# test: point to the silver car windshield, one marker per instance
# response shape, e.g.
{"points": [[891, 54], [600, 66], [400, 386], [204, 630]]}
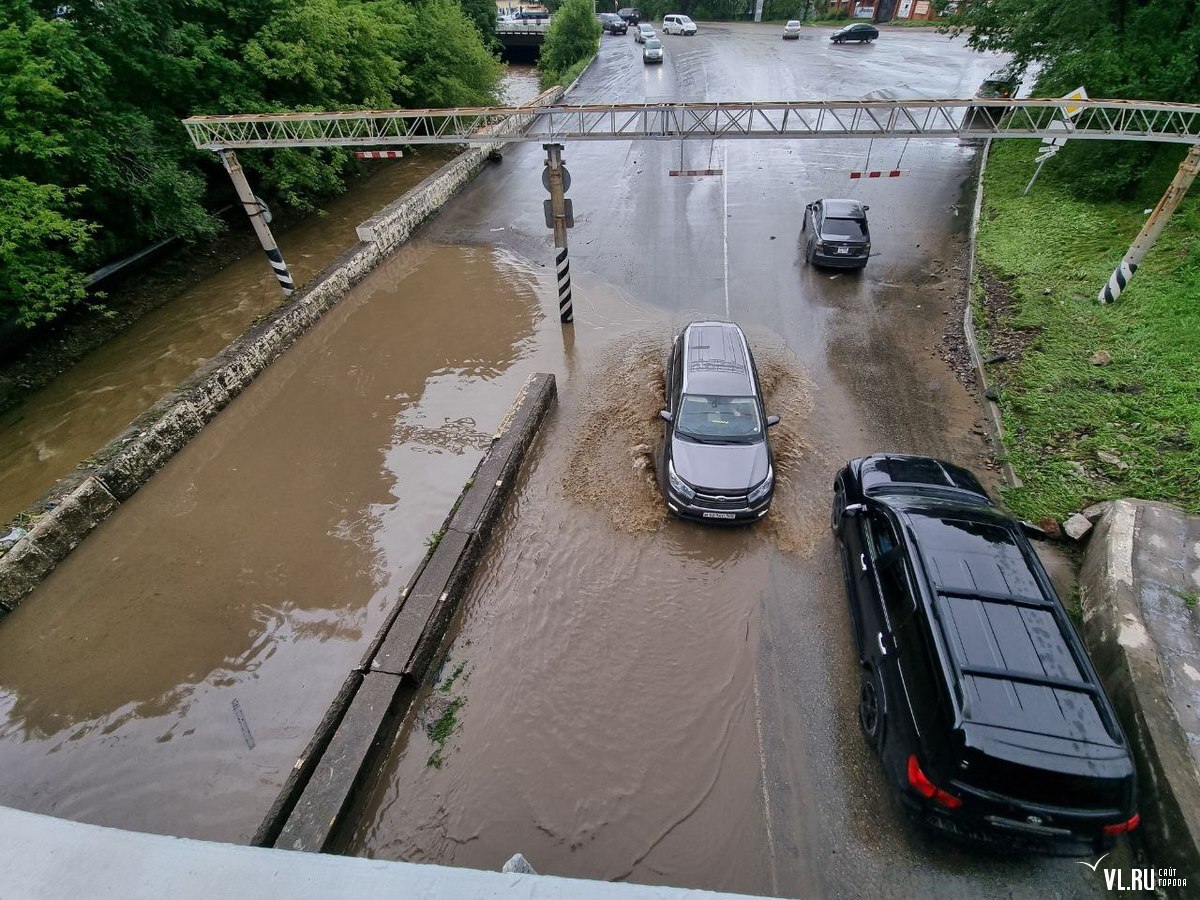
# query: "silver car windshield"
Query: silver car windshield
{"points": [[721, 419], [653, 44]]}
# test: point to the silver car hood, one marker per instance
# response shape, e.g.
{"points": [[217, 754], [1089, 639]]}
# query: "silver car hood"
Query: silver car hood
{"points": [[720, 467]]}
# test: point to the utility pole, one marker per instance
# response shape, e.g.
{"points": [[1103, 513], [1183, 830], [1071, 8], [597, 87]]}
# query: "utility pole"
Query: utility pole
{"points": [[257, 211], [559, 216], [1153, 227]]}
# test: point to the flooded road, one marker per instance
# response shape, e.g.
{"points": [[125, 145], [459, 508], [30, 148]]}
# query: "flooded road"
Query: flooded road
{"points": [[623, 696]]}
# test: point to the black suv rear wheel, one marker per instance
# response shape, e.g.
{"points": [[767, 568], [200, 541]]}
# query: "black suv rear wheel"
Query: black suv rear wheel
{"points": [[870, 709]]}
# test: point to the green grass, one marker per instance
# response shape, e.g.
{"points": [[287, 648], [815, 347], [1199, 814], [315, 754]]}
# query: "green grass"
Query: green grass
{"points": [[1060, 411], [439, 732], [431, 542], [1190, 598]]}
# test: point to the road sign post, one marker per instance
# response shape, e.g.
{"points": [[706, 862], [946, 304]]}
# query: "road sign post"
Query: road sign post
{"points": [[1051, 145], [557, 179], [1153, 227], [259, 215]]}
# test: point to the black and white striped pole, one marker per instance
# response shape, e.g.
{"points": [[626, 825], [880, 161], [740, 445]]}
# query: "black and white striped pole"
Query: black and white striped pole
{"points": [[1153, 227], [557, 179], [259, 217]]}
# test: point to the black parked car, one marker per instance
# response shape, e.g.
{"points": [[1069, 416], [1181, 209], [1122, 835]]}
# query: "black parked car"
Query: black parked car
{"points": [[859, 31], [613, 24], [976, 690], [630, 14], [837, 233], [716, 464]]}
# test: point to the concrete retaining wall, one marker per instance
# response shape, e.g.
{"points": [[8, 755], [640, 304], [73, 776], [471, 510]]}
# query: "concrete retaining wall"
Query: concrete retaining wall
{"points": [[1143, 641], [337, 767], [82, 500]]}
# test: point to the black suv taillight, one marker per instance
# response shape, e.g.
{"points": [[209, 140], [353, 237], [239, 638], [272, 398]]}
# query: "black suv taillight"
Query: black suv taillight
{"points": [[926, 788], [1122, 827]]}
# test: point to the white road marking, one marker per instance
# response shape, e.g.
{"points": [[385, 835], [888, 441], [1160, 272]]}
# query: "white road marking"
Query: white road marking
{"points": [[762, 763], [725, 222]]}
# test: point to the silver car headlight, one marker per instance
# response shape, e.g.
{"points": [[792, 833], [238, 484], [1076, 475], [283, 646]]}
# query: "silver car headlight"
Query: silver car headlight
{"points": [[681, 487], [761, 491]]}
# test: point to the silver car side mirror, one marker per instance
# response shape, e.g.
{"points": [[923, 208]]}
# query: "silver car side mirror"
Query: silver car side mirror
{"points": [[772, 420], [665, 416]]}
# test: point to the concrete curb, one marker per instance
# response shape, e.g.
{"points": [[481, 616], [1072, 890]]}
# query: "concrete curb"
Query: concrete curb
{"points": [[69, 511], [1127, 658], [993, 409], [336, 768]]}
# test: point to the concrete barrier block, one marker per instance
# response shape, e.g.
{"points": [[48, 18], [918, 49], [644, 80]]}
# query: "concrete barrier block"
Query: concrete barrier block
{"points": [[337, 777], [21, 570], [441, 574], [61, 529], [156, 438]]}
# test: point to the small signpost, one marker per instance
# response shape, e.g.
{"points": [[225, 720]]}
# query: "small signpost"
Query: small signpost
{"points": [[1051, 145], [559, 216]]}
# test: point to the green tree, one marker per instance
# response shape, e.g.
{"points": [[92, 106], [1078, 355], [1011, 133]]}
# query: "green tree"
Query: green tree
{"points": [[482, 13], [1117, 49], [39, 243], [573, 38], [94, 162]]}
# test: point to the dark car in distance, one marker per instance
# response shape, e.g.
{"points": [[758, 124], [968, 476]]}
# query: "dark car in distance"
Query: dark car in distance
{"points": [[716, 464], [859, 31], [836, 233], [976, 692], [630, 14], [613, 24]]}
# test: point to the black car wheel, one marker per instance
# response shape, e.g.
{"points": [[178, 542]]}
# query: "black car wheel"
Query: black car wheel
{"points": [[835, 511], [808, 253], [870, 709]]}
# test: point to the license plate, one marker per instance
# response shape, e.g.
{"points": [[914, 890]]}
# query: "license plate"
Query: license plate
{"points": [[843, 249], [713, 515]]}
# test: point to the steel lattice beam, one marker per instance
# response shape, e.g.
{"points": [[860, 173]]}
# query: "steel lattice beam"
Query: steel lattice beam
{"points": [[1128, 120]]}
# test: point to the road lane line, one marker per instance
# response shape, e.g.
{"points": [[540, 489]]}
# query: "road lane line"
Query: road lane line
{"points": [[725, 222], [762, 765]]}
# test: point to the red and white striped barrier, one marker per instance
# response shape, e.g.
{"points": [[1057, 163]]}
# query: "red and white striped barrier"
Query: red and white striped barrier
{"points": [[884, 173], [380, 154]]}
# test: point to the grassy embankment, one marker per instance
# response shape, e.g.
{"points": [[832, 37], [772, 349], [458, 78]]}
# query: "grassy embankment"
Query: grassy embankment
{"points": [[1062, 414]]}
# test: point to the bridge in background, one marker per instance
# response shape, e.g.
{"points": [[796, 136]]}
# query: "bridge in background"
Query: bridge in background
{"points": [[1128, 120], [520, 35]]}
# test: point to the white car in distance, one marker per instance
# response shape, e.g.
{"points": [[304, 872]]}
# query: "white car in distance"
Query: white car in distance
{"points": [[677, 23]]}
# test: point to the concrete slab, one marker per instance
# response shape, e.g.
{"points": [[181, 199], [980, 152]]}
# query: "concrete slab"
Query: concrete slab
{"points": [[1139, 573], [442, 572], [48, 859], [331, 789]]}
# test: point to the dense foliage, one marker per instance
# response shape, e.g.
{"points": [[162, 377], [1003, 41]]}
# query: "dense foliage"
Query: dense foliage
{"points": [[572, 39], [1119, 49], [94, 162], [1077, 432]]}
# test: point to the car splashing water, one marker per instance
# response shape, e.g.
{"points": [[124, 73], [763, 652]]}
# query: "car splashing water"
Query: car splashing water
{"points": [[613, 463]]}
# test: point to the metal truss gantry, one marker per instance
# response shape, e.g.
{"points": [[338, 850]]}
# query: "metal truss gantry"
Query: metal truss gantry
{"points": [[1127, 120]]}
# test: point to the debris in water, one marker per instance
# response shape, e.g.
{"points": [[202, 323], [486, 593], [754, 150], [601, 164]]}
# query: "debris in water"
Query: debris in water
{"points": [[237, 711]]}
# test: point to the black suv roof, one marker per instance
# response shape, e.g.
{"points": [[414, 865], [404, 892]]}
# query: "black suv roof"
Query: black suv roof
{"points": [[1016, 664]]}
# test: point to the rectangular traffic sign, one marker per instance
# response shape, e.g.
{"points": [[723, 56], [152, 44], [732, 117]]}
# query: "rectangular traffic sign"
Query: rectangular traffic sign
{"points": [[548, 211]]}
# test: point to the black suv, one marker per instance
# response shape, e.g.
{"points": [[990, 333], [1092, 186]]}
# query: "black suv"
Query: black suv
{"points": [[976, 690], [837, 233], [716, 464], [613, 24], [630, 14]]}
